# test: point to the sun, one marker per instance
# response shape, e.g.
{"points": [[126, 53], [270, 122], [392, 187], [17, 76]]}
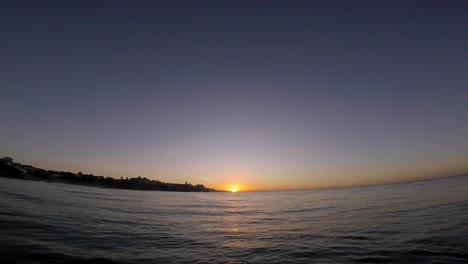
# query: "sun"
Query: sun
{"points": [[234, 189]]}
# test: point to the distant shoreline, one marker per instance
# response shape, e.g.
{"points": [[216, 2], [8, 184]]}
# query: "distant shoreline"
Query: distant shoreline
{"points": [[365, 186], [11, 169]]}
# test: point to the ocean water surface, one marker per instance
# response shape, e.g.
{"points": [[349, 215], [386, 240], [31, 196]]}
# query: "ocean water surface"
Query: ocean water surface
{"points": [[422, 222]]}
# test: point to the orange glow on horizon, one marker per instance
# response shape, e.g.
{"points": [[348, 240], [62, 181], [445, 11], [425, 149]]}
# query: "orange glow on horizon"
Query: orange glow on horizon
{"points": [[234, 187]]}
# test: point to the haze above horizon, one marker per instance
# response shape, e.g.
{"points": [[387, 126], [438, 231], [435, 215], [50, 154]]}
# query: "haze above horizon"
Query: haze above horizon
{"points": [[257, 95]]}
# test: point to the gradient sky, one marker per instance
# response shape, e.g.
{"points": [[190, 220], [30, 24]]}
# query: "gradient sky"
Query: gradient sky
{"points": [[259, 94]]}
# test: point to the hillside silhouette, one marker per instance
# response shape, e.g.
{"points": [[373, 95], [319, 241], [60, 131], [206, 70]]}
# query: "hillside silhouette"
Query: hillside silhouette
{"points": [[11, 169]]}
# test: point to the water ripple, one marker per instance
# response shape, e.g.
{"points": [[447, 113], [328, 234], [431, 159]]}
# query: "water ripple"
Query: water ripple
{"points": [[409, 223]]}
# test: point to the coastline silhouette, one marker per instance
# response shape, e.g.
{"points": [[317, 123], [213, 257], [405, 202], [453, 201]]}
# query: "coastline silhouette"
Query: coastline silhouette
{"points": [[11, 169]]}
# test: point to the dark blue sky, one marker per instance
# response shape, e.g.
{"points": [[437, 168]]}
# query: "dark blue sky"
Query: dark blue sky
{"points": [[263, 94]]}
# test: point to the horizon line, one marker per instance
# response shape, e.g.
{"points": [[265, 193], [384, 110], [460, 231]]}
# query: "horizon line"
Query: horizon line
{"points": [[301, 189]]}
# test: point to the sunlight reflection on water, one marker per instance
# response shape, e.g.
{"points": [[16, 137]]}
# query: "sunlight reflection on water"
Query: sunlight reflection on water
{"points": [[417, 222]]}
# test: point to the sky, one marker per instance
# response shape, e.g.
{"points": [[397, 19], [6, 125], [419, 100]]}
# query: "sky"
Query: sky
{"points": [[263, 95]]}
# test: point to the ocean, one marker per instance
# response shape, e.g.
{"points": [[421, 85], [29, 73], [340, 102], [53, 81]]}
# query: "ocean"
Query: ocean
{"points": [[420, 222]]}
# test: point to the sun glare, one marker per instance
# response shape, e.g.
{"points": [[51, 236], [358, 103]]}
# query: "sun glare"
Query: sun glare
{"points": [[233, 189]]}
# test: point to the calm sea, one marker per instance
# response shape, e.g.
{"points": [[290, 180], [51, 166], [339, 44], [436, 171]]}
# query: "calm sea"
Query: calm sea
{"points": [[423, 222]]}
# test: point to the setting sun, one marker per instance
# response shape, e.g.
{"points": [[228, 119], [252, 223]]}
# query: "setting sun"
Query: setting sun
{"points": [[233, 189]]}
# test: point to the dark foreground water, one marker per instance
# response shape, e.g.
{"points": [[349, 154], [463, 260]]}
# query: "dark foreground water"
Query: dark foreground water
{"points": [[424, 222]]}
